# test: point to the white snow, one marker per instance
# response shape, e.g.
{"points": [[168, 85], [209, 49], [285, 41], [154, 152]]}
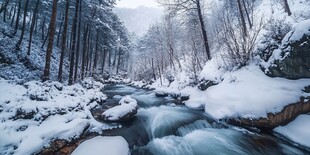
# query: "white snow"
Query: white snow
{"points": [[297, 130], [247, 92], [127, 105], [299, 30], [103, 145], [38, 113]]}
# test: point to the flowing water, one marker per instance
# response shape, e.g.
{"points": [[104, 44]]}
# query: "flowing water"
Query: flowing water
{"points": [[163, 126]]}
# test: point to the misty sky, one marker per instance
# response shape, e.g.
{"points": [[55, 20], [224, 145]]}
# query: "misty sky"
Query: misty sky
{"points": [[136, 3]]}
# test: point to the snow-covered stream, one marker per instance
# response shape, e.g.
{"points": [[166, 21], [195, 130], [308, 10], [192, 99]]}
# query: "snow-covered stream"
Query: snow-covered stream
{"points": [[164, 127]]}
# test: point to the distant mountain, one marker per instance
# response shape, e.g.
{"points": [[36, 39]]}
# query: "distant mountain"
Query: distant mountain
{"points": [[139, 20]]}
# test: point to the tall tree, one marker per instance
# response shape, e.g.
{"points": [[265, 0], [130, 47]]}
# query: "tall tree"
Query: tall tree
{"points": [[49, 50], [24, 25], [176, 6], [34, 16], [73, 46], [64, 41], [17, 16], [78, 44]]}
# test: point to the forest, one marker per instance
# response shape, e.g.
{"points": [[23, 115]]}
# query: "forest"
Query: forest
{"points": [[207, 77]]}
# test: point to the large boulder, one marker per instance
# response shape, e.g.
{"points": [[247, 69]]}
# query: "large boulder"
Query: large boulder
{"points": [[292, 60], [126, 109]]}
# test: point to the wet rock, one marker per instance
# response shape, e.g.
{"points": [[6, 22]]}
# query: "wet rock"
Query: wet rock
{"points": [[205, 84]]}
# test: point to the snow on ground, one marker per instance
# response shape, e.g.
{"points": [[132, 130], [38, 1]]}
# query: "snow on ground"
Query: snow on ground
{"points": [[297, 130], [103, 145], [46, 111], [127, 105], [247, 92]]}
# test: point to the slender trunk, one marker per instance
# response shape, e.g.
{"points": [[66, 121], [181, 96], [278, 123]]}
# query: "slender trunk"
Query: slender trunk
{"points": [[14, 14], [4, 5], [203, 30], [4, 15], [287, 8], [244, 29], [247, 14], [23, 27], [64, 41], [32, 25], [44, 41], [103, 60], [73, 43], [118, 60], [78, 44], [84, 50], [49, 50], [17, 17], [96, 51], [59, 30], [43, 29], [153, 68], [11, 10]]}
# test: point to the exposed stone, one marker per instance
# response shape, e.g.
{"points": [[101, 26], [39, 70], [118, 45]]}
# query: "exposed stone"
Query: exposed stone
{"points": [[297, 64], [288, 114], [205, 84]]}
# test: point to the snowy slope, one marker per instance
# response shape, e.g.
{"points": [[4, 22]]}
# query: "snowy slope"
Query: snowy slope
{"points": [[37, 113], [16, 65]]}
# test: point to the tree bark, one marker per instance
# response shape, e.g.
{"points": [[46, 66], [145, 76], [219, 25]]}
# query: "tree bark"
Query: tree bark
{"points": [[247, 14], [49, 50], [78, 44], [203, 30], [84, 51], [24, 25], [4, 5], [287, 8], [64, 41], [17, 17], [244, 29], [32, 25], [96, 51], [73, 51]]}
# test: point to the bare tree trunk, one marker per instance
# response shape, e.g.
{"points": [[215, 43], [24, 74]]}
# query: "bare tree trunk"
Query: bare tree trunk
{"points": [[73, 51], [103, 59], [23, 27], [84, 51], [49, 50], [32, 25], [244, 29], [59, 30], [247, 14], [4, 5], [17, 17], [64, 41], [287, 7], [14, 14], [78, 44], [43, 29], [203, 30], [96, 51]]}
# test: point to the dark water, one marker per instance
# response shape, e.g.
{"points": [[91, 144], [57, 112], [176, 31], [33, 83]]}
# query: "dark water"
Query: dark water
{"points": [[164, 127]]}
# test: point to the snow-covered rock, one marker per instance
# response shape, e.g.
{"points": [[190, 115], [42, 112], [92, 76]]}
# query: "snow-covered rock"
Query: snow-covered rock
{"points": [[292, 59], [247, 92], [127, 109], [297, 130], [103, 145]]}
